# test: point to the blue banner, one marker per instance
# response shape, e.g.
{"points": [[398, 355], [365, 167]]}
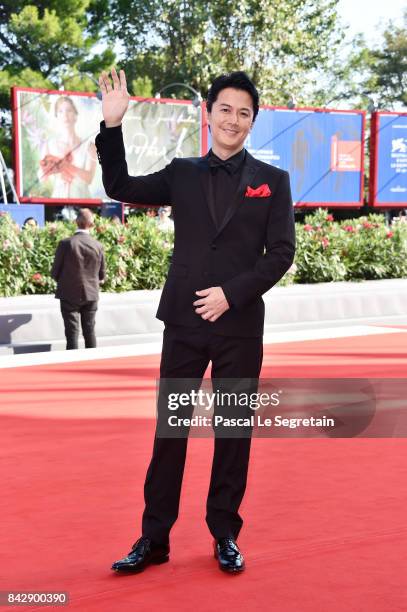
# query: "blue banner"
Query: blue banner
{"points": [[391, 156], [23, 214], [113, 209], [322, 151]]}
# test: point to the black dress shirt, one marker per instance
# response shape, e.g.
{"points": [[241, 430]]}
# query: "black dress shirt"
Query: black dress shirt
{"points": [[225, 177]]}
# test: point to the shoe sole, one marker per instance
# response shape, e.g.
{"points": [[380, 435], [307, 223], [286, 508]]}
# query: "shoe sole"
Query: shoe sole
{"points": [[232, 571], [140, 568]]}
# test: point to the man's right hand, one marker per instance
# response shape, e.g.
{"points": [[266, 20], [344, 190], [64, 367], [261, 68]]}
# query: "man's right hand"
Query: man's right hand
{"points": [[114, 100]]}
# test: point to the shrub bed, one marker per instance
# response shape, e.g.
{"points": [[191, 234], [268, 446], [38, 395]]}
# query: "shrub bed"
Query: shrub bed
{"points": [[138, 253]]}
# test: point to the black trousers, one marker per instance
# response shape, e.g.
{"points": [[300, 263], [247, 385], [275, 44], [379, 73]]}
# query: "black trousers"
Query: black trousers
{"points": [[186, 353], [77, 316]]}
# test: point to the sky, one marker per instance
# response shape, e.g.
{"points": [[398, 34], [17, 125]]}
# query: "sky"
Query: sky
{"points": [[365, 15]]}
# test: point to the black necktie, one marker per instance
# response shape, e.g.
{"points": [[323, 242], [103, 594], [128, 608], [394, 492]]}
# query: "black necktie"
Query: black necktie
{"points": [[215, 162]]}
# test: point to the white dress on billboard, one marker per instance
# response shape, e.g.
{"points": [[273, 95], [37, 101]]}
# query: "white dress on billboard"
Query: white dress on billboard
{"points": [[80, 156]]}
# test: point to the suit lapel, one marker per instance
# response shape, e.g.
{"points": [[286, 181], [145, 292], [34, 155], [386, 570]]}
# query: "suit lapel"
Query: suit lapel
{"points": [[206, 183], [250, 168]]}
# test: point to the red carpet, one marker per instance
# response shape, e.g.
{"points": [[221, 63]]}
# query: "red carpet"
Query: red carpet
{"points": [[324, 528]]}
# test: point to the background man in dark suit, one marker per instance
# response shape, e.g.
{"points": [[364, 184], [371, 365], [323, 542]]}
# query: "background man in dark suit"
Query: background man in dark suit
{"points": [[79, 268], [234, 239]]}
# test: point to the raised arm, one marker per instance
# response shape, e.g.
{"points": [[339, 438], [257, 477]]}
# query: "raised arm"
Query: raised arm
{"points": [[153, 189]]}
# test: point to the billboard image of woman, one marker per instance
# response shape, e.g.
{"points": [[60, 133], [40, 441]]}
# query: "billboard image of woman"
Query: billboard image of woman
{"points": [[67, 162]]}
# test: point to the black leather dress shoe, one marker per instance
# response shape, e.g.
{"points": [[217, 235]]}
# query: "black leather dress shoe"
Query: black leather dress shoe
{"points": [[143, 553], [229, 557]]}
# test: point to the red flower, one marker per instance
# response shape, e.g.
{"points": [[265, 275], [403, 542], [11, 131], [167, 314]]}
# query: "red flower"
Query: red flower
{"points": [[325, 242], [308, 227], [367, 225], [37, 277], [389, 235], [329, 217], [350, 228]]}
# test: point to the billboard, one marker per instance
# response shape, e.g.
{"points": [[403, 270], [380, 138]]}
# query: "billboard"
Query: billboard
{"points": [[388, 160], [321, 149], [54, 132]]}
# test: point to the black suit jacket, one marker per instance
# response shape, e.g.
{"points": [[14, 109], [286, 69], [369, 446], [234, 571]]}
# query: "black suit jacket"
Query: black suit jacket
{"points": [[79, 265], [246, 255]]}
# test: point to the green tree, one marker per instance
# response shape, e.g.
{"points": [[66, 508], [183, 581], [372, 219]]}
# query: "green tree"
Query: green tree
{"points": [[375, 73], [387, 68], [278, 42], [48, 44]]}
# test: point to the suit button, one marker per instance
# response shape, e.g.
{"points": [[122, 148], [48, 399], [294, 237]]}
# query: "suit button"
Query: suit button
{"points": [[213, 247]]}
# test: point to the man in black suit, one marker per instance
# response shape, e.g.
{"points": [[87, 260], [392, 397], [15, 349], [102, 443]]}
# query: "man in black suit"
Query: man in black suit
{"points": [[234, 239], [79, 268]]}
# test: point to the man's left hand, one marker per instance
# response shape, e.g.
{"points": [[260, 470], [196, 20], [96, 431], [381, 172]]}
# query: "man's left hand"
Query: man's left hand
{"points": [[212, 304]]}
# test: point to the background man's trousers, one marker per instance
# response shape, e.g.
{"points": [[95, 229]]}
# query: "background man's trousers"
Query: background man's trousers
{"points": [[77, 316], [186, 353]]}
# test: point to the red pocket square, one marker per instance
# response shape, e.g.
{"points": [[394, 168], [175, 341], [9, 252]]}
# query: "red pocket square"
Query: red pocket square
{"points": [[263, 191]]}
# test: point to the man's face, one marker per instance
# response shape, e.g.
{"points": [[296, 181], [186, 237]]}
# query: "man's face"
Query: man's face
{"points": [[231, 118]]}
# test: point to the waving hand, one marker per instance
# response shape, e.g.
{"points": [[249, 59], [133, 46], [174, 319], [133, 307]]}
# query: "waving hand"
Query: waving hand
{"points": [[115, 100]]}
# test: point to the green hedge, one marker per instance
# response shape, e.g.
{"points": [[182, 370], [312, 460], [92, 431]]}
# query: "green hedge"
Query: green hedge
{"points": [[138, 253], [352, 250]]}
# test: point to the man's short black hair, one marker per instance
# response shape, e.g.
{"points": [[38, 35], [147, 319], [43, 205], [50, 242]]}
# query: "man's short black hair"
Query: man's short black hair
{"points": [[237, 80]]}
